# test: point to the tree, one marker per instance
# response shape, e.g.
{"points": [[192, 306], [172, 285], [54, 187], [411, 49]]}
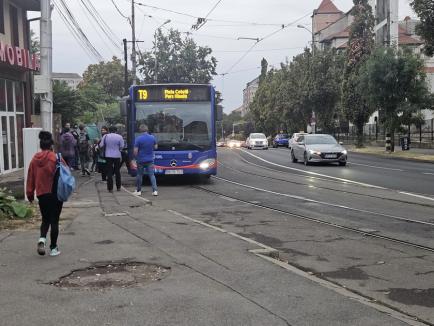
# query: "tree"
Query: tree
{"points": [[360, 46], [425, 10], [264, 70], [35, 46], [66, 101], [109, 75], [394, 82], [177, 60]]}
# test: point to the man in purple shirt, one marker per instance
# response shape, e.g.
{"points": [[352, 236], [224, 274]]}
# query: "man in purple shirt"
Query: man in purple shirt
{"points": [[113, 145]]}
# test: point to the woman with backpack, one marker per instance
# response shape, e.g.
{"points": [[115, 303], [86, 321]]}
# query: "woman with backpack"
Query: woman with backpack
{"points": [[43, 177]]}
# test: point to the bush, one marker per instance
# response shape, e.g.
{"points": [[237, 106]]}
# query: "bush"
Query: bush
{"points": [[10, 208]]}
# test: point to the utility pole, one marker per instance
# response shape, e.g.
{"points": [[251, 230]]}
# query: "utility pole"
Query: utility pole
{"points": [[133, 52], [46, 66], [126, 86]]}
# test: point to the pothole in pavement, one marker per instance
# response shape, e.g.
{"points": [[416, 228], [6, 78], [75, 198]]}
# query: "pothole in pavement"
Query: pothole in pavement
{"points": [[113, 275]]}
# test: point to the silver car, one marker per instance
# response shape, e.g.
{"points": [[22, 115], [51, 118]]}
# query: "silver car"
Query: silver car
{"points": [[293, 139], [257, 140], [318, 148]]}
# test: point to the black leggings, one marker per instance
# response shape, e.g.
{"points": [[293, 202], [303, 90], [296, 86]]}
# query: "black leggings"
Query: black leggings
{"points": [[50, 208]]}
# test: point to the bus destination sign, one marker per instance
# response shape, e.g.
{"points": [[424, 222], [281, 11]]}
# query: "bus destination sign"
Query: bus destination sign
{"points": [[175, 93]]}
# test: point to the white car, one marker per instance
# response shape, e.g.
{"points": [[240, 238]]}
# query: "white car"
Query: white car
{"points": [[257, 140], [293, 139]]}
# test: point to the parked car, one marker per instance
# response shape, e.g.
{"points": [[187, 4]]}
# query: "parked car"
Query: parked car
{"points": [[294, 137], [318, 148], [221, 144], [280, 140], [257, 140], [233, 143]]}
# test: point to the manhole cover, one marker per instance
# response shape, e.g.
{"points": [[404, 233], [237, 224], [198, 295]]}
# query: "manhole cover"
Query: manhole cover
{"points": [[113, 275]]}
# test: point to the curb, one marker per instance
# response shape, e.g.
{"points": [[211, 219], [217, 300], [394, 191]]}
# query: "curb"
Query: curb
{"points": [[408, 159]]}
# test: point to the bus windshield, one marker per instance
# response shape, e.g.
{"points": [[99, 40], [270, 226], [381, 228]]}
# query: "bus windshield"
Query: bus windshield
{"points": [[177, 126]]}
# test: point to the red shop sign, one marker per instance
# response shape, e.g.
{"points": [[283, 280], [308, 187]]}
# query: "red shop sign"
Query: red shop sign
{"points": [[16, 56]]}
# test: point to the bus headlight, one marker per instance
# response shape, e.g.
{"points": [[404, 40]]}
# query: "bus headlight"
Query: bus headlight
{"points": [[206, 164]]}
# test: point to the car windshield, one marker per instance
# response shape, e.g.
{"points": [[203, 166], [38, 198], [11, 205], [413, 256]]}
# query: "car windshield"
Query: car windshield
{"points": [[183, 126], [323, 139], [283, 136], [257, 136]]}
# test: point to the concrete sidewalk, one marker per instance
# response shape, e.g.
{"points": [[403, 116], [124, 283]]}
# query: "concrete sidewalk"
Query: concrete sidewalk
{"points": [[414, 154], [213, 277]]}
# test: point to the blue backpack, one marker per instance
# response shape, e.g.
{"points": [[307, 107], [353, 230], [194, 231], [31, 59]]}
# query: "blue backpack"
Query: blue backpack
{"points": [[66, 182]]}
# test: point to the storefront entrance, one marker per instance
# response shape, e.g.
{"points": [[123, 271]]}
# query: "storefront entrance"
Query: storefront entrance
{"points": [[11, 125]]}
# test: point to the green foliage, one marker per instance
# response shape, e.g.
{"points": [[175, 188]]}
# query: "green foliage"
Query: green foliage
{"points": [[175, 59], [10, 208], [35, 46], [360, 46], [66, 101], [108, 75], [394, 81], [425, 10]]}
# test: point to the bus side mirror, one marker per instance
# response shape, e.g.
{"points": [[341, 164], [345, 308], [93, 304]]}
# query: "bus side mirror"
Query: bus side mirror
{"points": [[219, 113], [124, 106]]}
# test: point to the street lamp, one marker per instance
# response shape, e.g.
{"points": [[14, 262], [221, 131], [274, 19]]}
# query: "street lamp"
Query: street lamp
{"points": [[313, 37], [155, 50]]}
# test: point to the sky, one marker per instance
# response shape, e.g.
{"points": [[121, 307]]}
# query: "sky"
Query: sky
{"points": [[228, 21]]}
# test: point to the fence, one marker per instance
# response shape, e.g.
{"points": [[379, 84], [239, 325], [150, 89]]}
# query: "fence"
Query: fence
{"points": [[419, 137]]}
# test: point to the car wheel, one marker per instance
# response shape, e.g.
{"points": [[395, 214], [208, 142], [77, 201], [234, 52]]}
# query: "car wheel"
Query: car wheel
{"points": [[293, 159], [266, 148], [343, 163], [306, 161]]}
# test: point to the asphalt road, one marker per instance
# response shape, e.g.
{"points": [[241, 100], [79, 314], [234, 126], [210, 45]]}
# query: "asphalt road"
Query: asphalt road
{"points": [[368, 227]]}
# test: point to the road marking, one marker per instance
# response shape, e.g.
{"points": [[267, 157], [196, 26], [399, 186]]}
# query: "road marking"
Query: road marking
{"points": [[342, 180], [376, 167], [405, 219], [228, 198], [265, 252], [427, 173], [416, 195], [315, 173]]}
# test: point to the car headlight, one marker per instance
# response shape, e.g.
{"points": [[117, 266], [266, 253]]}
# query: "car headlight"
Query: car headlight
{"points": [[344, 152], [238, 145], [207, 164], [312, 152]]}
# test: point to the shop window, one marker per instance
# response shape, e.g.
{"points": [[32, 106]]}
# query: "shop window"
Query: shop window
{"points": [[5, 141], [12, 142], [2, 17], [19, 97], [10, 95], [2, 95], [15, 36]]}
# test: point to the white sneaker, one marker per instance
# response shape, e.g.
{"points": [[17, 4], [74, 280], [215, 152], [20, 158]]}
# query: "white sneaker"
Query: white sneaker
{"points": [[55, 252], [155, 193], [137, 193], [41, 246]]}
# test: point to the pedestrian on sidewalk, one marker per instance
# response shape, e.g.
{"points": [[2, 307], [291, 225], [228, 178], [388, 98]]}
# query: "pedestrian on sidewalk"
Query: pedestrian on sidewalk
{"points": [[94, 153], [43, 177], [76, 160], [113, 144], [83, 149], [102, 163], [144, 154], [67, 147]]}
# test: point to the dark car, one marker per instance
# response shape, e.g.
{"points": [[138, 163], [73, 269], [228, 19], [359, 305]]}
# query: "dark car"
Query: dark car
{"points": [[281, 140]]}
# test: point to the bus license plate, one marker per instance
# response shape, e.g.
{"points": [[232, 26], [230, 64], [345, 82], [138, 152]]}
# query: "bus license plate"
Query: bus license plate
{"points": [[330, 156], [175, 172]]}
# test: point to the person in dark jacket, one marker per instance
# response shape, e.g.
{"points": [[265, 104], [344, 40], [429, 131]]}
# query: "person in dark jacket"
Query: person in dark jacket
{"points": [[67, 147], [42, 178], [102, 163]]}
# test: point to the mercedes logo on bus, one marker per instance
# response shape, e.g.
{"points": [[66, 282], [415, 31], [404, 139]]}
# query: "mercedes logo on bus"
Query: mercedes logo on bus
{"points": [[173, 163]]}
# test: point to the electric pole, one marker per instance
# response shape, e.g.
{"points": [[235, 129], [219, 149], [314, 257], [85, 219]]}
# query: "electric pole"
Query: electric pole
{"points": [[46, 66], [126, 86], [133, 51]]}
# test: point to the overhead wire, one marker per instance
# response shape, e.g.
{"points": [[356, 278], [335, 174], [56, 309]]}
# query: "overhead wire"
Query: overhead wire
{"points": [[81, 33], [202, 21], [119, 11]]}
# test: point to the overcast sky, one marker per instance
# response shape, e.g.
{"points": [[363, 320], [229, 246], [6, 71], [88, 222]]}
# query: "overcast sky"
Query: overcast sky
{"points": [[221, 36]]}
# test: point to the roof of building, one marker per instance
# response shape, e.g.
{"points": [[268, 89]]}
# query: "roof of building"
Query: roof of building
{"points": [[406, 39], [429, 70], [32, 5], [327, 7], [66, 75]]}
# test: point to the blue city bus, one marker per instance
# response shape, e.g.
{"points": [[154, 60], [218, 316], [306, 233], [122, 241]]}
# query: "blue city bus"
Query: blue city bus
{"points": [[182, 118]]}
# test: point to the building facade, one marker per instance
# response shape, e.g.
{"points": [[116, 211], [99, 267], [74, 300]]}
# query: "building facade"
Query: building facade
{"points": [[72, 80], [16, 66], [249, 95]]}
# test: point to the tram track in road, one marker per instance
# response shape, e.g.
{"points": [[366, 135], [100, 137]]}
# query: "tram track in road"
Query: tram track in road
{"points": [[316, 186], [315, 220]]}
